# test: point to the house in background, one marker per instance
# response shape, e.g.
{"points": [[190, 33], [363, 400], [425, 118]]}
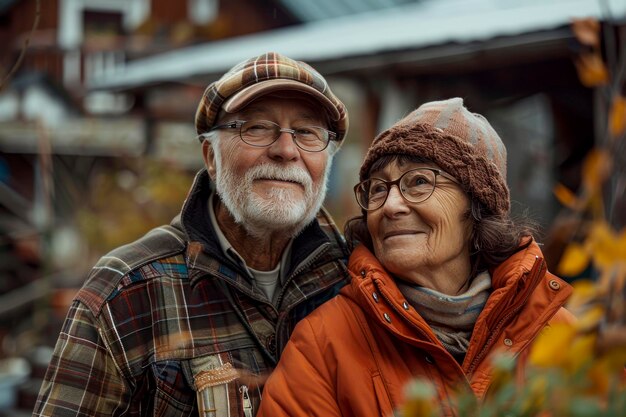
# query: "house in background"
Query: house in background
{"points": [[511, 61], [138, 67], [107, 87], [77, 41]]}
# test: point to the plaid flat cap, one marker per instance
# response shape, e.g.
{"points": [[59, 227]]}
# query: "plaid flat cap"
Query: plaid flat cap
{"points": [[264, 74]]}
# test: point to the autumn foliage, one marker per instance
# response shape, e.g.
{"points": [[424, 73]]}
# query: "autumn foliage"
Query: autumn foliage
{"points": [[125, 203], [574, 370]]}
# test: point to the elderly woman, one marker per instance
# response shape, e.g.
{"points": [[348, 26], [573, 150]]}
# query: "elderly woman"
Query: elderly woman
{"points": [[442, 279]]}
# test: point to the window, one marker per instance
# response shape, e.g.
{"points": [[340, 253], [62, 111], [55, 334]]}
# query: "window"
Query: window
{"points": [[202, 11]]}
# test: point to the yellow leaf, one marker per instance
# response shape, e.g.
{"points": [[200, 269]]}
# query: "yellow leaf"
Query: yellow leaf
{"points": [[420, 395], [590, 319], [587, 31], [547, 350], [596, 202], [584, 292], [574, 260], [565, 196], [596, 169], [617, 116], [606, 247], [592, 71], [580, 352]]}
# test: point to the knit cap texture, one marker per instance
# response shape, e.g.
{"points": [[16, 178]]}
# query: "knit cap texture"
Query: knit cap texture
{"points": [[462, 143]]}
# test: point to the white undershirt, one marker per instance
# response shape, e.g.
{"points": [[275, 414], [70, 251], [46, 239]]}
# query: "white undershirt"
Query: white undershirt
{"points": [[266, 281]]}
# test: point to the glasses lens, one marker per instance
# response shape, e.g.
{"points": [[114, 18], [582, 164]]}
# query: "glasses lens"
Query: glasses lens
{"points": [[371, 194], [259, 132], [417, 185], [311, 138]]}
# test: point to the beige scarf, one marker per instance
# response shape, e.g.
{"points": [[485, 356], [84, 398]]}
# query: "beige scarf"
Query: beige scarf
{"points": [[452, 317]]}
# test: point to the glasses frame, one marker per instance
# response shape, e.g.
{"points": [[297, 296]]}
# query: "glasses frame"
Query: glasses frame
{"points": [[238, 124], [396, 182]]}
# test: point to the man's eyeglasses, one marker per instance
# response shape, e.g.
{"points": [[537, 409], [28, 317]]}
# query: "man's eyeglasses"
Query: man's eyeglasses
{"points": [[263, 133], [415, 186]]}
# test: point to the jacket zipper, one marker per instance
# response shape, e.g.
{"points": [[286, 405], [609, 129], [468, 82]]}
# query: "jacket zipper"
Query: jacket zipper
{"points": [[302, 266], [495, 332], [245, 401]]}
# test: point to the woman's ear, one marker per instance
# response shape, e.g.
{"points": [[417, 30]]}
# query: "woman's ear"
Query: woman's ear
{"points": [[208, 154]]}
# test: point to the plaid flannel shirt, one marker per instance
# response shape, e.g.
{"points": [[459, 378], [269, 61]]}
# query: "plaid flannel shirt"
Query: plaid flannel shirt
{"points": [[161, 318]]}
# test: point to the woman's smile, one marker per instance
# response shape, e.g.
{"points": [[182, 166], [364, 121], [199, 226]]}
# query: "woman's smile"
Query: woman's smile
{"points": [[400, 233]]}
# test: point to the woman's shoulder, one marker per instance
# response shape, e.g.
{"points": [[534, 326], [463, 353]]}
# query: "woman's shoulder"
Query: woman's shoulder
{"points": [[563, 316], [335, 316], [340, 304]]}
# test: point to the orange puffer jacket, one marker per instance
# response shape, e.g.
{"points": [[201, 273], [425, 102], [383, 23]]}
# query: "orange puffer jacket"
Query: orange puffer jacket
{"points": [[354, 354]]}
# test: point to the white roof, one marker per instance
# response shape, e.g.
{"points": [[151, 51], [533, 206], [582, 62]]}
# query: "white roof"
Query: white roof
{"points": [[307, 10], [414, 26]]}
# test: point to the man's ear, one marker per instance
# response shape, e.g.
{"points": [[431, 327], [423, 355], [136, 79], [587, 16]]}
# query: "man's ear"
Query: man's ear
{"points": [[208, 154]]}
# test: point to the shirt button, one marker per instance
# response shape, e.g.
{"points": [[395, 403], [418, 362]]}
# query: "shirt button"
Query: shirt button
{"points": [[405, 305], [387, 317], [375, 296], [555, 285], [363, 273], [508, 342]]}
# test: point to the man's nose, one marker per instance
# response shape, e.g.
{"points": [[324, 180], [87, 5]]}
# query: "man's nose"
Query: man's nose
{"points": [[284, 148]]}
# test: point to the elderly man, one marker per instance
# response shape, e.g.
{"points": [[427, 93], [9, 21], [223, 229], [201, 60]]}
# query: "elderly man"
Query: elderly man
{"points": [[192, 317]]}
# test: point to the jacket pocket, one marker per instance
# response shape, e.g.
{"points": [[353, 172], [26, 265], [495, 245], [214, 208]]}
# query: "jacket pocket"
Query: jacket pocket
{"points": [[382, 396], [172, 395]]}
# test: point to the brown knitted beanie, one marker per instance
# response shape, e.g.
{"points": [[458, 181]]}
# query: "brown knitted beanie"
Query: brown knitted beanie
{"points": [[462, 143]]}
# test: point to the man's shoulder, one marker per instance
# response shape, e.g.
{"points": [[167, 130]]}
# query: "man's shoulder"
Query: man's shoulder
{"points": [[159, 252]]}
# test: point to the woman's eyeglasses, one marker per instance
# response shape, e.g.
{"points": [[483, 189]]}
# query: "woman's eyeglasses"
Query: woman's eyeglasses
{"points": [[415, 185]]}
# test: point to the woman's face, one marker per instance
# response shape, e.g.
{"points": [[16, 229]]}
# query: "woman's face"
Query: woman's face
{"points": [[419, 242]]}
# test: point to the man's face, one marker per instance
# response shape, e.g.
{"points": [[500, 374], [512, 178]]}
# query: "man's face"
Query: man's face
{"points": [[276, 188]]}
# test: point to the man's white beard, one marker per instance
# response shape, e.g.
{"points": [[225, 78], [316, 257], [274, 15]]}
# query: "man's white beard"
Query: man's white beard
{"points": [[283, 210]]}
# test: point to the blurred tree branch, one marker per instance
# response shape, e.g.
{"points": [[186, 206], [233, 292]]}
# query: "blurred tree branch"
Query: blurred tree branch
{"points": [[20, 58]]}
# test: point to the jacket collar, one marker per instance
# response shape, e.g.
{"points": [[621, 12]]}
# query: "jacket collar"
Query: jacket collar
{"points": [[521, 277], [511, 274], [376, 292], [517, 265]]}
